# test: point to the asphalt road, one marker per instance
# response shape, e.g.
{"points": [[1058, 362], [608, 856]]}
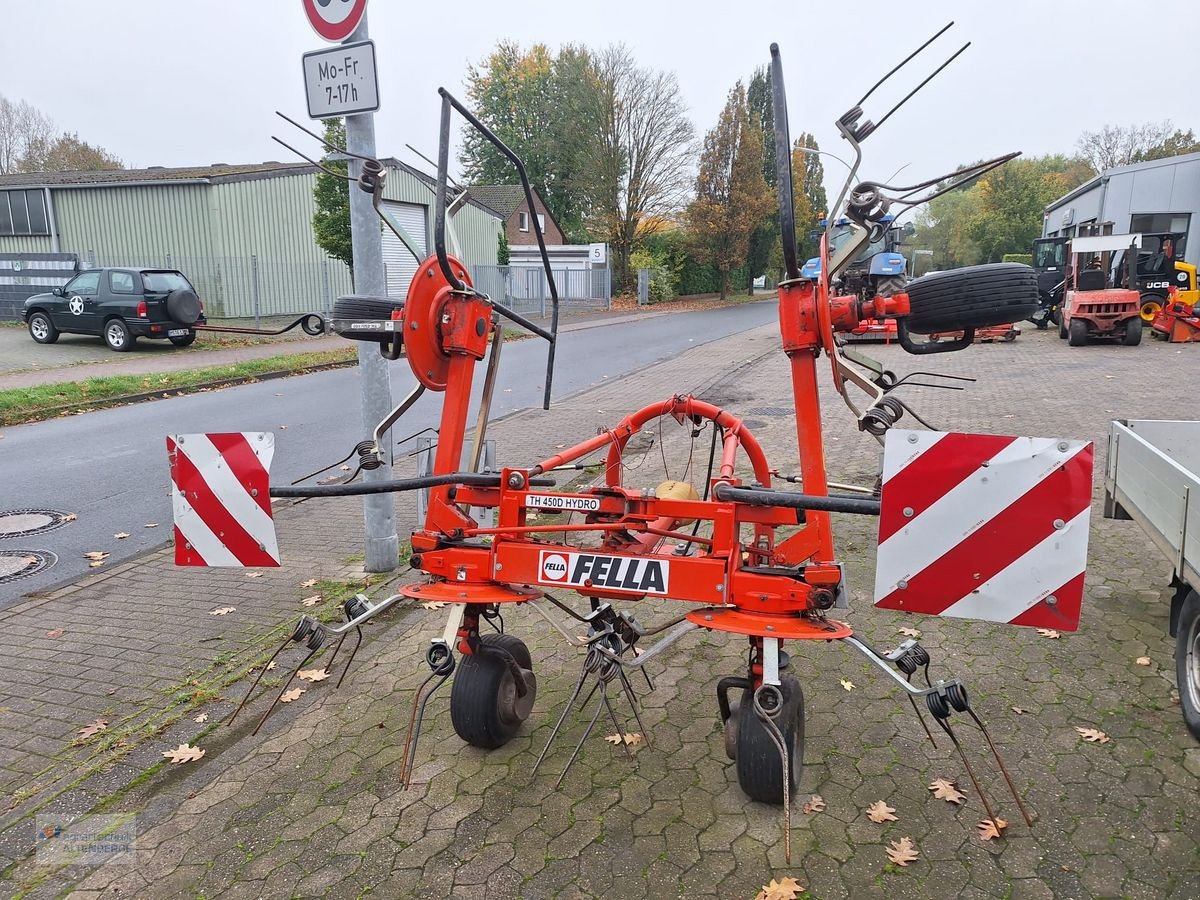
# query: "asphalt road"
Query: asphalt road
{"points": [[109, 467]]}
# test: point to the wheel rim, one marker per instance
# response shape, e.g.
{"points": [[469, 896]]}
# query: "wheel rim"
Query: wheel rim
{"points": [[1150, 310], [1192, 665], [116, 335], [39, 328]]}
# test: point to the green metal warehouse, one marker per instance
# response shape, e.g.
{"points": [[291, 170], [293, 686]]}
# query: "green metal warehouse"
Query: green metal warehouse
{"points": [[242, 233]]}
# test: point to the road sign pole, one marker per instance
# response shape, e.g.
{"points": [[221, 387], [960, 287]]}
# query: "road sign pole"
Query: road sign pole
{"points": [[382, 550]]}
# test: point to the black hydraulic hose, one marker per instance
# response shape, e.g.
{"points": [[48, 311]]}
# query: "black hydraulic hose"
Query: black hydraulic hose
{"points": [[783, 166], [792, 500], [397, 485], [439, 219]]}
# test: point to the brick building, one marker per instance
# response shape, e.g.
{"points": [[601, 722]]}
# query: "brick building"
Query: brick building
{"points": [[508, 200]]}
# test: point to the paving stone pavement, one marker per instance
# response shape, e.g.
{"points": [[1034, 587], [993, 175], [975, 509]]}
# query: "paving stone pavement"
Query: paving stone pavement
{"points": [[312, 806]]}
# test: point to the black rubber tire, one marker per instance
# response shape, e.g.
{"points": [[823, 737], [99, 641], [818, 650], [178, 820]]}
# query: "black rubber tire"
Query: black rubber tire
{"points": [[1077, 334], [117, 337], [758, 768], [1149, 305], [49, 332], [1062, 327], [183, 306], [891, 285], [186, 341], [1187, 662], [973, 297], [1133, 332], [360, 308], [474, 710]]}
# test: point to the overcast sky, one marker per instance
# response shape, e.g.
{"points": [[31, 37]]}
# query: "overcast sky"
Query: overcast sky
{"points": [[193, 82]]}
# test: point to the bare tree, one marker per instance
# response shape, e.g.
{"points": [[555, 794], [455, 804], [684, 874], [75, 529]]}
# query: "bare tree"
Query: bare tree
{"points": [[21, 126], [66, 153], [638, 164], [1120, 145]]}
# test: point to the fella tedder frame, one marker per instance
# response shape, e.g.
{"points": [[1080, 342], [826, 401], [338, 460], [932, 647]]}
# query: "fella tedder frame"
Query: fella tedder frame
{"points": [[762, 567]]}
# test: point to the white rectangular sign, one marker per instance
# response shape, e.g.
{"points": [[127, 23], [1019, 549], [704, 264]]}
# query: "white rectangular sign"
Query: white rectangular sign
{"points": [[597, 254], [341, 81], [553, 501]]}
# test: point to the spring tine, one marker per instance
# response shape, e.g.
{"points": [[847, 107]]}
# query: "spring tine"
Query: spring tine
{"points": [[612, 715], [256, 681], [628, 689], [970, 772], [333, 656], [920, 717], [350, 661], [412, 750], [578, 747], [562, 717], [412, 718], [282, 690], [1000, 762], [777, 739]]}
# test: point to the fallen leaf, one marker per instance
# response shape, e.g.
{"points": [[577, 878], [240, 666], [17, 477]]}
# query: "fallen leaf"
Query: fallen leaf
{"points": [[97, 555], [202, 718], [312, 675], [56, 633], [902, 852], [344, 468], [1143, 660], [96, 564], [1093, 735], [630, 739], [945, 790], [1049, 633], [183, 753], [150, 525], [271, 666], [283, 428], [93, 728], [814, 804], [910, 632], [311, 601], [848, 685], [121, 535], [70, 517], [433, 604], [222, 610], [1019, 710], [293, 694], [786, 889], [254, 574], [308, 583], [879, 812], [989, 830]]}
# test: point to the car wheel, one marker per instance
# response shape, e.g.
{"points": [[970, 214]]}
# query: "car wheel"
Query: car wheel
{"points": [[185, 340], [41, 329], [1187, 662], [117, 336], [1077, 333], [973, 297]]}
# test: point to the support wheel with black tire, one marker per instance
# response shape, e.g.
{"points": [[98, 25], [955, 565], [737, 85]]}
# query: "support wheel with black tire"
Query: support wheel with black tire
{"points": [[972, 297], [185, 340], [41, 329], [1077, 333], [759, 769], [117, 336], [1187, 661], [485, 706], [1133, 333]]}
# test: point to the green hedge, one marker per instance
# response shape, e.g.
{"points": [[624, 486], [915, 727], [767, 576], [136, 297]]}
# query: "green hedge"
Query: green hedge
{"points": [[1026, 258]]}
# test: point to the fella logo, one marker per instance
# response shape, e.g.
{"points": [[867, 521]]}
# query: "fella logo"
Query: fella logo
{"points": [[630, 574]]}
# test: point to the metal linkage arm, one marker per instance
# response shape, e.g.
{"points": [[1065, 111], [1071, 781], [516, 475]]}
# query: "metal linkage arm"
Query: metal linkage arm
{"points": [[793, 500], [398, 485]]}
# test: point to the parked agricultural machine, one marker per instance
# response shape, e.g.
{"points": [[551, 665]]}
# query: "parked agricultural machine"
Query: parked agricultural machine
{"points": [[758, 562]]}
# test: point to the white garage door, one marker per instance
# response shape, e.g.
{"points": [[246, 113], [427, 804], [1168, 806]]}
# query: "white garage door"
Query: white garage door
{"points": [[398, 262]]}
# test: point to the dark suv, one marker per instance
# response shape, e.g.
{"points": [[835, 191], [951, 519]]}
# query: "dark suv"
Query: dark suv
{"points": [[120, 305]]}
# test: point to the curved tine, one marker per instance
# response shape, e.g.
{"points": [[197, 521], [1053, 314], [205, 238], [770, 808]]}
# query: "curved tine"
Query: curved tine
{"points": [[327, 171], [333, 656], [1000, 762], [322, 140], [412, 718], [412, 751], [913, 413], [578, 747], [562, 718], [633, 704], [920, 718], [945, 726], [350, 661], [282, 690], [776, 737], [613, 715], [257, 679], [904, 62]]}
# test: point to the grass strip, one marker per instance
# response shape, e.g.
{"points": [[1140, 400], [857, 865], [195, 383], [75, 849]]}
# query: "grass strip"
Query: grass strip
{"points": [[31, 404]]}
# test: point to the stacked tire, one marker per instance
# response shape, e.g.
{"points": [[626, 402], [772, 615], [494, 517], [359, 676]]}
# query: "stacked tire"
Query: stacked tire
{"points": [[972, 297]]}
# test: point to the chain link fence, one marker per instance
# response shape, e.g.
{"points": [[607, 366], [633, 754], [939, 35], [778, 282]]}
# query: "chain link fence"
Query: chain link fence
{"points": [[525, 290]]}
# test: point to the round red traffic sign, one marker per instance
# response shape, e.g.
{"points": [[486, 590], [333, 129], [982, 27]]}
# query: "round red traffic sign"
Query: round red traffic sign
{"points": [[334, 20]]}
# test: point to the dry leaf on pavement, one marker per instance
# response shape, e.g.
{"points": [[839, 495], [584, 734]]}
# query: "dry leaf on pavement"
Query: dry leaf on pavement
{"points": [[56, 633], [121, 535], [1143, 660], [150, 525], [879, 812], [95, 564], [96, 555], [254, 574], [1019, 710], [1049, 633], [70, 517], [784, 889], [902, 852], [312, 674], [910, 632], [311, 601], [183, 753], [989, 830], [814, 804], [309, 583], [222, 610], [1093, 735], [630, 739], [202, 718], [93, 728], [293, 694], [271, 666], [433, 604], [847, 685], [945, 790]]}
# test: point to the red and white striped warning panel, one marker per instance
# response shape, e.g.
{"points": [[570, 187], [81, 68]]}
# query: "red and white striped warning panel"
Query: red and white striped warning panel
{"points": [[220, 497], [980, 526]]}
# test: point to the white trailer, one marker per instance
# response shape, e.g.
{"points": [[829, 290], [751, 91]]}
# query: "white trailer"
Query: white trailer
{"points": [[1153, 478]]}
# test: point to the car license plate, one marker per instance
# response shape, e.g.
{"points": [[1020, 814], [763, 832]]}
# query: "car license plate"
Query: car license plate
{"points": [[178, 332]]}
